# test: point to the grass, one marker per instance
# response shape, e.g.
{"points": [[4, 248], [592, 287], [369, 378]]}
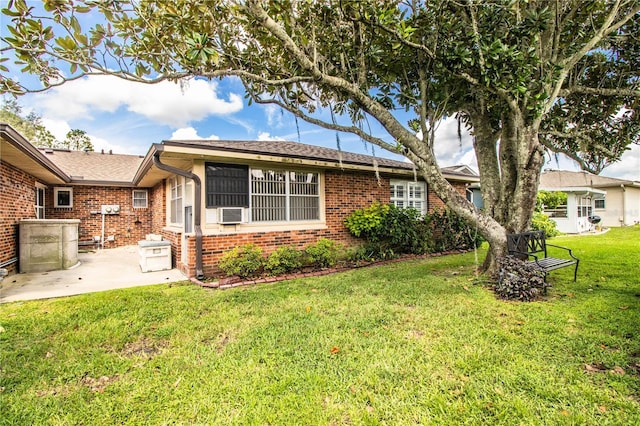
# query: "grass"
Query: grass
{"points": [[408, 343]]}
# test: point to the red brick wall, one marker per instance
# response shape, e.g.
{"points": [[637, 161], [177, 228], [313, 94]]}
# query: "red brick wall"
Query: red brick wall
{"points": [[434, 202], [17, 200], [344, 193], [127, 227], [157, 204]]}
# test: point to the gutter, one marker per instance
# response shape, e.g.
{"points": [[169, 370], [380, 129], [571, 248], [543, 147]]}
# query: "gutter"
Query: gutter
{"points": [[197, 207]]}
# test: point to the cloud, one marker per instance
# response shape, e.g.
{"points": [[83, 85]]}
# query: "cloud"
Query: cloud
{"points": [[628, 167], [265, 136], [165, 103], [274, 115], [189, 133]]}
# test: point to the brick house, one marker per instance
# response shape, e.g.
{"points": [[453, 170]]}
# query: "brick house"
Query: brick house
{"points": [[207, 197]]}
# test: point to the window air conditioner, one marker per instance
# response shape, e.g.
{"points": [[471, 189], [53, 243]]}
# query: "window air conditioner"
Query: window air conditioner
{"points": [[230, 215]]}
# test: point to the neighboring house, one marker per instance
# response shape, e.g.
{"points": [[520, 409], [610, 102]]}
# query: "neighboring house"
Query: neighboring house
{"points": [[207, 197], [615, 201]]}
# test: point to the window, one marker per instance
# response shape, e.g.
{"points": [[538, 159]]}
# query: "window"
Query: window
{"points": [[63, 197], [175, 185], [39, 201], [279, 195], [227, 185], [140, 199], [584, 207], [409, 194], [599, 203]]}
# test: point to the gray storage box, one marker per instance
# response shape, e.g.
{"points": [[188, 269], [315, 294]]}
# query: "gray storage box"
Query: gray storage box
{"points": [[154, 255]]}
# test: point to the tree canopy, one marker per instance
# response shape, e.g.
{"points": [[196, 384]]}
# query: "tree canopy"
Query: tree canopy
{"points": [[527, 77]]}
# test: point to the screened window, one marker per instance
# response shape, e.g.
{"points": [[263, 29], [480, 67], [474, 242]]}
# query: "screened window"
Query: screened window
{"points": [[584, 207], [63, 197], [39, 202], [409, 194], [175, 185], [599, 203], [227, 185], [279, 195], [140, 199]]}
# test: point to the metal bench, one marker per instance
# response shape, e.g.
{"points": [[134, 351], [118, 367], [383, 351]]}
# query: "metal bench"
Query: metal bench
{"points": [[533, 245]]}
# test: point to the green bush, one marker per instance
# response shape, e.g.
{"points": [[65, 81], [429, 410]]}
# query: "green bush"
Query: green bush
{"points": [[323, 254], [285, 259], [389, 230], [541, 222], [243, 261], [452, 232], [550, 200]]}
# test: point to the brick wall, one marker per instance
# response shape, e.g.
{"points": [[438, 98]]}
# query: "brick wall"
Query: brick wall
{"points": [[434, 202], [344, 193], [17, 200], [127, 227]]}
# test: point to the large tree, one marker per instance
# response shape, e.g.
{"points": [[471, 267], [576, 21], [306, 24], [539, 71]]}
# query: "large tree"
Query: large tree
{"points": [[502, 66]]}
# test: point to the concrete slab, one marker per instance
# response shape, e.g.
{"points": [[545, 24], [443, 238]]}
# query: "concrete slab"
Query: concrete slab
{"points": [[97, 271]]}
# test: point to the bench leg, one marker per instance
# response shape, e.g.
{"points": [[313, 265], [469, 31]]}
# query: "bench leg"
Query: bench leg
{"points": [[575, 273]]}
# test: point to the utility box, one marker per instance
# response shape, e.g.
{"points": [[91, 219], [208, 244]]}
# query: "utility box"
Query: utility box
{"points": [[154, 255], [48, 244]]}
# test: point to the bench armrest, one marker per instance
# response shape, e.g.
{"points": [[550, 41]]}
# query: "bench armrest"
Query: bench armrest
{"points": [[563, 248]]}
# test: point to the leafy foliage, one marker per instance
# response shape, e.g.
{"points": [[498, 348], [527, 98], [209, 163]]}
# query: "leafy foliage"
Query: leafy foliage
{"points": [[390, 230], [550, 200], [542, 222], [244, 261], [451, 231], [323, 254], [519, 280], [283, 260]]}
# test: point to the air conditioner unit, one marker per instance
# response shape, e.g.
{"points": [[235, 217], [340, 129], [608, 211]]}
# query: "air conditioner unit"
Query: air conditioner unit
{"points": [[230, 215]]}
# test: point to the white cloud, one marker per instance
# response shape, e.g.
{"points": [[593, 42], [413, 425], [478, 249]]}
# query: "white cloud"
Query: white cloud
{"points": [[628, 167], [165, 102], [265, 136], [274, 115], [189, 133], [59, 128]]}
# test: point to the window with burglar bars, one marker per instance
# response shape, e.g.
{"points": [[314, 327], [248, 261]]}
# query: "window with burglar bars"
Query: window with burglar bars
{"points": [[409, 194], [279, 195], [227, 185]]}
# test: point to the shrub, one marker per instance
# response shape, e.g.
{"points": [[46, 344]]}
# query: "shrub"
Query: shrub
{"points": [[244, 261], [518, 280], [284, 259], [323, 254], [542, 222], [389, 230], [452, 231]]}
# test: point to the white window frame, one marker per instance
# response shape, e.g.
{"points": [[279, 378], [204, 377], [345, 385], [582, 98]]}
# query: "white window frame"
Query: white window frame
{"points": [[289, 178], [176, 188], [145, 198], [59, 189], [40, 202], [585, 207], [403, 194]]}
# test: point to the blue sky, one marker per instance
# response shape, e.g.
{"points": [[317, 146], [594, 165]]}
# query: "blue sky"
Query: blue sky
{"points": [[127, 118]]}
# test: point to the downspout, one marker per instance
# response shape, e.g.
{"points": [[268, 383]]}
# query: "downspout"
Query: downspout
{"points": [[197, 206], [624, 204]]}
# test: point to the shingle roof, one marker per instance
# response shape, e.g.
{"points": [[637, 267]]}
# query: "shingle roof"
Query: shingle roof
{"points": [[95, 166], [567, 179], [308, 152]]}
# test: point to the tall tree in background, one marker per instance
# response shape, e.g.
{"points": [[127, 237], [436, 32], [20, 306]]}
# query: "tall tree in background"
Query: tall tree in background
{"points": [[506, 68], [77, 140], [30, 126]]}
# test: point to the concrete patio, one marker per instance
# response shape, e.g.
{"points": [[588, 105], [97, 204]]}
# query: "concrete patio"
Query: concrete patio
{"points": [[98, 270]]}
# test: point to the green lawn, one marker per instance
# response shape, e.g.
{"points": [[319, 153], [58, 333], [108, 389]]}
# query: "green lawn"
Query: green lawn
{"points": [[408, 343]]}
